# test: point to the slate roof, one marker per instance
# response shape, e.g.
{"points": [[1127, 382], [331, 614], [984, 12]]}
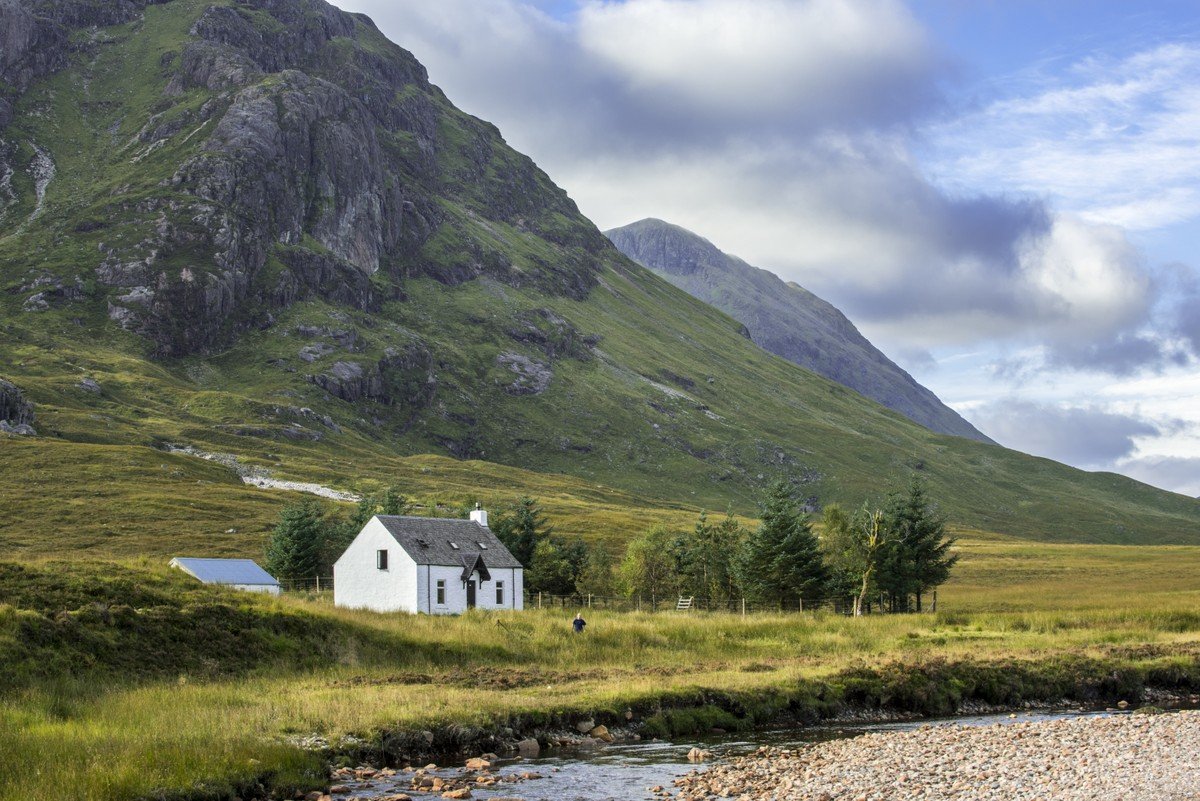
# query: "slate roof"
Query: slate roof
{"points": [[427, 540], [225, 571]]}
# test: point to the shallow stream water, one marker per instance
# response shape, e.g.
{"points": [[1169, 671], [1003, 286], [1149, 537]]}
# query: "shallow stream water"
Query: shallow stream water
{"points": [[626, 771]]}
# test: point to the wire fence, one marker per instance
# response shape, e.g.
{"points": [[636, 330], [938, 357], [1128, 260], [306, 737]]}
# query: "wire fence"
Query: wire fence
{"points": [[321, 589], [843, 605]]}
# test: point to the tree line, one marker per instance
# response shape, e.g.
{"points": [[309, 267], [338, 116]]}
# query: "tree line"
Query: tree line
{"points": [[890, 554]]}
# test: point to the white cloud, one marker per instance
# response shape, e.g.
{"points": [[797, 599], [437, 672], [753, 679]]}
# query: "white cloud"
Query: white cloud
{"points": [[820, 61], [799, 136], [1115, 141]]}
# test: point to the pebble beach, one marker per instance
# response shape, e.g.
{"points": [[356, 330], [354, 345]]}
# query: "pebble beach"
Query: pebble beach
{"points": [[1129, 757]]}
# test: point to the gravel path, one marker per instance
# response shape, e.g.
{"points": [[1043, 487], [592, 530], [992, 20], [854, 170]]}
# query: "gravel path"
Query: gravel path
{"points": [[1126, 757]]}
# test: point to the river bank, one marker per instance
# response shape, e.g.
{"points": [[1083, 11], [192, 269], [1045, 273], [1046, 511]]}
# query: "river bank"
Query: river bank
{"points": [[1128, 757], [121, 682]]}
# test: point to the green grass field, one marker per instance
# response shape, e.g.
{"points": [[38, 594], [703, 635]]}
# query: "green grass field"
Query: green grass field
{"points": [[126, 680]]}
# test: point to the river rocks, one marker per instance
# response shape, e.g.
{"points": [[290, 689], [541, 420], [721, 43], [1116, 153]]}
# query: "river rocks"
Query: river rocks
{"points": [[478, 763], [585, 726], [533, 377], [528, 748], [1116, 758], [697, 754], [601, 733], [465, 792]]}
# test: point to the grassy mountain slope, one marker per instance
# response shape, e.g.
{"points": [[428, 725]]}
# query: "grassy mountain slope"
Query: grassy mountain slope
{"points": [[785, 319], [265, 233]]}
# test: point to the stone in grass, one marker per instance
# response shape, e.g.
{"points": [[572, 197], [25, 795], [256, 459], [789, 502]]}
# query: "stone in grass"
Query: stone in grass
{"points": [[19, 429], [90, 385]]}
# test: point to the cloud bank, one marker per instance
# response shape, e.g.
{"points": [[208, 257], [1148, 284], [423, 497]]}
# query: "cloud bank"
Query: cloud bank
{"points": [[785, 131], [829, 141]]}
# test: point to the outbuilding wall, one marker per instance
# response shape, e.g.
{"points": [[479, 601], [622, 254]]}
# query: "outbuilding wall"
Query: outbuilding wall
{"points": [[269, 589]]}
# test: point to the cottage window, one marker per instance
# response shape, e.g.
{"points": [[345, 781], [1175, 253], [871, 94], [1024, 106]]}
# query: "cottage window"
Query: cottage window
{"points": [[441, 591], [381, 559], [499, 592], [482, 547]]}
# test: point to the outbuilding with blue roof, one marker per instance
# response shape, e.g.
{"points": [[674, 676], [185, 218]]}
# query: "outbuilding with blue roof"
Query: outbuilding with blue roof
{"points": [[242, 574]]}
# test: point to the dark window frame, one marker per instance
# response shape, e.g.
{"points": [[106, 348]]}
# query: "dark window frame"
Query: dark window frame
{"points": [[499, 593], [381, 559], [440, 590]]}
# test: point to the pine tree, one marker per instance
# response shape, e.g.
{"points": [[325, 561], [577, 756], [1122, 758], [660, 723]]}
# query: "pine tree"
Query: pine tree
{"points": [[521, 528], [782, 559], [922, 558], [295, 547]]}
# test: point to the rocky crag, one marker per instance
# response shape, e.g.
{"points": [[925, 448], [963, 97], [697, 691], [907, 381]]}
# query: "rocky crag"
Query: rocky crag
{"points": [[255, 227], [786, 319], [16, 413]]}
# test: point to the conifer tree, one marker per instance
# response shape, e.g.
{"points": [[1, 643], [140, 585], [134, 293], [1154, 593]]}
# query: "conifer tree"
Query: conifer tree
{"points": [[921, 558], [521, 528], [781, 560], [294, 549]]}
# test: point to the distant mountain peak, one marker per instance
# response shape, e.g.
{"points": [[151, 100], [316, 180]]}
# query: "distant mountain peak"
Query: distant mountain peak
{"points": [[795, 324]]}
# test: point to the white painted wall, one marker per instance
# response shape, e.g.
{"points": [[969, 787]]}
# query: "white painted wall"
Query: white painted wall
{"points": [[359, 584], [456, 589], [269, 589], [409, 587]]}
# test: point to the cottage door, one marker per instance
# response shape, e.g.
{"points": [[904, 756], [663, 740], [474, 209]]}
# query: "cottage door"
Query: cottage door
{"points": [[471, 594]]}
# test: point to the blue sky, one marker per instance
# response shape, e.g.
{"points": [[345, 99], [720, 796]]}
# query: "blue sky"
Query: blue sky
{"points": [[1004, 196]]}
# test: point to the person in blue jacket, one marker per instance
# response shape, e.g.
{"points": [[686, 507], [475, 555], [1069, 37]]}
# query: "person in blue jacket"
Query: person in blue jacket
{"points": [[578, 623]]}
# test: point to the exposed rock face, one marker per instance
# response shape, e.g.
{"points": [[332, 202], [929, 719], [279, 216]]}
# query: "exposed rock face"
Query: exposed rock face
{"points": [[533, 378], [553, 335], [16, 413], [322, 147], [786, 319], [400, 378]]}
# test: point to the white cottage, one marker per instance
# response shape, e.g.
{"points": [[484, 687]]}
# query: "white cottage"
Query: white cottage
{"points": [[241, 574], [434, 565]]}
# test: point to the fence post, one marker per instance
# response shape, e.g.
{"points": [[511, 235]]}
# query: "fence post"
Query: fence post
{"points": [[801, 604], [589, 600], [539, 599], [743, 607], [935, 601], [318, 583]]}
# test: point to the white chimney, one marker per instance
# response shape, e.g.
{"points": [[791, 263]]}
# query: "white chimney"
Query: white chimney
{"points": [[479, 515]]}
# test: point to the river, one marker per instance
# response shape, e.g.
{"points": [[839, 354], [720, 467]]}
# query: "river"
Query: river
{"points": [[625, 771]]}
